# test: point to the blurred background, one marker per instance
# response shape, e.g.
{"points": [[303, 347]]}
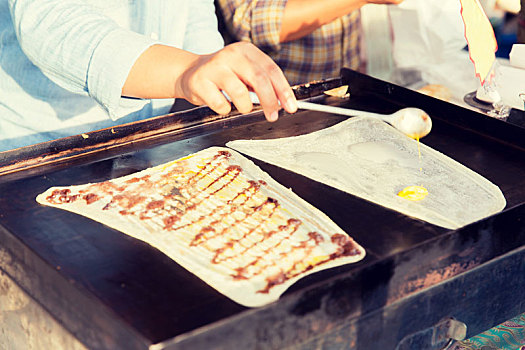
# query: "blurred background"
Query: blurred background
{"points": [[421, 45]]}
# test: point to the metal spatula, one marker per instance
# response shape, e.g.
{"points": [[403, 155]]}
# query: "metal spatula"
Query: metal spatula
{"points": [[411, 121]]}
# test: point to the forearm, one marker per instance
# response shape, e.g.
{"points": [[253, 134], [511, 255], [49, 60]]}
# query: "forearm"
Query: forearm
{"points": [[301, 17], [164, 72], [156, 72]]}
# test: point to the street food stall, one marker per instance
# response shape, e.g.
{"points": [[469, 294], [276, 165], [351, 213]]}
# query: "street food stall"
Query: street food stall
{"points": [[86, 285]]}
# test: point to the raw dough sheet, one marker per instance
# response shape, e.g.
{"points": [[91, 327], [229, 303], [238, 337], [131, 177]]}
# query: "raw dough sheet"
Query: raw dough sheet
{"points": [[370, 159]]}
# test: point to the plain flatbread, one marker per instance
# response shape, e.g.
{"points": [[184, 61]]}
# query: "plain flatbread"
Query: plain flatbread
{"points": [[222, 218], [370, 159]]}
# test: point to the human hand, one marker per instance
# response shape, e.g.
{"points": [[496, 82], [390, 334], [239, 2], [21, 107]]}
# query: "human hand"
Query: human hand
{"points": [[236, 69]]}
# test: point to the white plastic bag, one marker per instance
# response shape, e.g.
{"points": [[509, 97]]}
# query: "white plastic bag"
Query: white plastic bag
{"points": [[429, 37]]}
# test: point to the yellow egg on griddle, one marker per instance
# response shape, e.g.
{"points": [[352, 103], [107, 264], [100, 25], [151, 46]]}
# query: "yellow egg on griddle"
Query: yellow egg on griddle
{"points": [[413, 193]]}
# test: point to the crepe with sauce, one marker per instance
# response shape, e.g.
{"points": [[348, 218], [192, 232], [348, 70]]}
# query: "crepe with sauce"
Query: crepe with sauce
{"points": [[370, 159], [222, 218]]}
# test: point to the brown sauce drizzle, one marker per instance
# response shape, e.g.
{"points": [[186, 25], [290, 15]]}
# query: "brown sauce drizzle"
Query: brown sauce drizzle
{"points": [[90, 198], [62, 196], [170, 221], [235, 170], [316, 236], [346, 246], [269, 201], [200, 238], [200, 174], [155, 205], [256, 233], [289, 229], [247, 192]]}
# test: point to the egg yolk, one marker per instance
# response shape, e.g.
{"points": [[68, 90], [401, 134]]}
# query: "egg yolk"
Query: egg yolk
{"points": [[413, 193]]}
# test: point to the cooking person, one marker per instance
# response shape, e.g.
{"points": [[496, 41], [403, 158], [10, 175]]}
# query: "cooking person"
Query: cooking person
{"points": [[309, 39], [70, 66]]}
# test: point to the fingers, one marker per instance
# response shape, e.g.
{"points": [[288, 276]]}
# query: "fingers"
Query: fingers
{"points": [[213, 98], [238, 94], [236, 69], [267, 80], [255, 74]]}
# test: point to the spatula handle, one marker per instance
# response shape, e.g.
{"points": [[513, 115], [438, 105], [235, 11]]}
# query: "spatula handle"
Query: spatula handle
{"points": [[329, 109], [341, 111]]}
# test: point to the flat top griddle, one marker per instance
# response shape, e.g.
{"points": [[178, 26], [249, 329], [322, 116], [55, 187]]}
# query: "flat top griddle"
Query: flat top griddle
{"points": [[132, 289]]}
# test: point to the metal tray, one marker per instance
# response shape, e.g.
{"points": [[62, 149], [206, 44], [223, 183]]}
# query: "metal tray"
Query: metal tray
{"points": [[111, 291]]}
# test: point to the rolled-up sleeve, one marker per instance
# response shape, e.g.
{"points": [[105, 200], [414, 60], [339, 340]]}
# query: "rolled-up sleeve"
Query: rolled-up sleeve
{"points": [[202, 35], [78, 48], [258, 21]]}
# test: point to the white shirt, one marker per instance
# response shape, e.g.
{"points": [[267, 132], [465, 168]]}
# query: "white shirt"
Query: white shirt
{"points": [[63, 62]]}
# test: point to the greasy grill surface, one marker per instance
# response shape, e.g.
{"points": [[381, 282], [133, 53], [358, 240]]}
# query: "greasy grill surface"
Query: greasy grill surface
{"points": [[139, 287]]}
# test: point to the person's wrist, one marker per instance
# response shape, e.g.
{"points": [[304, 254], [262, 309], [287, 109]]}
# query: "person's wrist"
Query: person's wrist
{"points": [[185, 62]]}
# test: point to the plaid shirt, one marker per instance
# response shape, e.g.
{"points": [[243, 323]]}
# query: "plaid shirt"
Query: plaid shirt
{"points": [[319, 55]]}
